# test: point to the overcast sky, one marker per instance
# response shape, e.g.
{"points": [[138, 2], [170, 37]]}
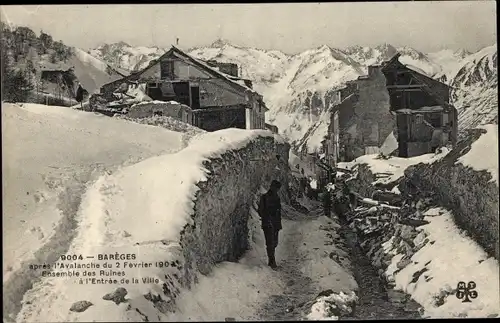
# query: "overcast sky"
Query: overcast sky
{"points": [[427, 26]]}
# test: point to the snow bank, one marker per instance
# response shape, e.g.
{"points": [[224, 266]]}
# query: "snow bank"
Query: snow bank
{"points": [[46, 176], [330, 307], [449, 258], [468, 191], [392, 169], [179, 232], [483, 154]]}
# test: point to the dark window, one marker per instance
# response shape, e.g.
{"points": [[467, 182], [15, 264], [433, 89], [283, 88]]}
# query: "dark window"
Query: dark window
{"points": [[181, 90], [167, 69], [435, 119], [154, 92], [195, 97]]}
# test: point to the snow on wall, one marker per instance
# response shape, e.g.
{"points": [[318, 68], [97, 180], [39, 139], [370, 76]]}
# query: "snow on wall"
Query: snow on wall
{"points": [[483, 154], [392, 169], [188, 210], [450, 258], [469, 193]]}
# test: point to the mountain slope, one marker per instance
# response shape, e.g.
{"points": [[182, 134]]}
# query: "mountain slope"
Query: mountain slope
{"points": [[25, 52], [475, 89], [450, 62], [124, 56], [409, 56]]}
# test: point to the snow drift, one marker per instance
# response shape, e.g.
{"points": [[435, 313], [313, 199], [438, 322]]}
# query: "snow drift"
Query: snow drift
{"points": [[53, 154], [452, 257], [182, 213], [465, 182]]}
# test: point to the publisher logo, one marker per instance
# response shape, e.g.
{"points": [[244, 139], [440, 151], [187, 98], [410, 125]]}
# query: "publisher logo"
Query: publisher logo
{"points": [[466, 292]]}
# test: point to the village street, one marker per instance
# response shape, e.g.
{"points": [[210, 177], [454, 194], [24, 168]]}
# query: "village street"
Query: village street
{"points": [[302, 240], [315, 278]]}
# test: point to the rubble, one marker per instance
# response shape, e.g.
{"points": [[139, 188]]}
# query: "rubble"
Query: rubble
{"points": [[80, 306], [118, 296], [383, 228]]}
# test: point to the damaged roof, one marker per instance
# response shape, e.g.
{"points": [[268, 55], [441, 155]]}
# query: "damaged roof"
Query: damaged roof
{"points": [[423, 79], [237, 83]]}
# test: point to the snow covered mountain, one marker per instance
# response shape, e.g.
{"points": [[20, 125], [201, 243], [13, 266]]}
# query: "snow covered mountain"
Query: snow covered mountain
{"points": [[409, 56], [124, 56], [450, 62], [261, 66], [475, 89], [299, 88]]}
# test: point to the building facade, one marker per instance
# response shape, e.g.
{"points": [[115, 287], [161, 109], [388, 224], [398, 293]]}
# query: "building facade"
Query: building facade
{"points": [[361, 120], [218, 100], [425, 118]]}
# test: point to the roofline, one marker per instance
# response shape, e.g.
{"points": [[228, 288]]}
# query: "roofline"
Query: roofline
{"points": [[212, 70], [418, 76], [195, 61]]}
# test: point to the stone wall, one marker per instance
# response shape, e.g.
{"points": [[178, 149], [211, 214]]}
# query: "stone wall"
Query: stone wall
{"points": [[149, 109], [470, 194], [376, 122], [220, 227], [364, 118], [223, 203]]}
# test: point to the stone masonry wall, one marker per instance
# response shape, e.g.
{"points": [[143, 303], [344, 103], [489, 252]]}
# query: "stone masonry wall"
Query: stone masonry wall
{"points": [[470, 194], [221, 212], [223, 203], [376, 121], [366, 120]]}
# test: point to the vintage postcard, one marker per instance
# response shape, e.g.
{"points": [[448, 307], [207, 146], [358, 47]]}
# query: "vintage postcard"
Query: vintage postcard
{"points": [[250, 162]]}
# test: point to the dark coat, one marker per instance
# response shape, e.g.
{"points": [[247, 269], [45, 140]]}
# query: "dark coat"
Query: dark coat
{"points": [[327, 199], [80, 93], [270, 210]]}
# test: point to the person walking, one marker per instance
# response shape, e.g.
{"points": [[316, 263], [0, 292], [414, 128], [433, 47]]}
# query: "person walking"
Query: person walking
{"points": [[326, 198], [270, 214]]}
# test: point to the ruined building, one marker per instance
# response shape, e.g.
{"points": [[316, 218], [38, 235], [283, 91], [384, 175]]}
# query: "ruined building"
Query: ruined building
{"points": [[216, 95], [361, 120], [425, 118]]}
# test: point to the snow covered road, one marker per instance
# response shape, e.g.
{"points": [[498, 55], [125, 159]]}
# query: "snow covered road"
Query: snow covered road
{"points": [[52, 154], [309, 261]]}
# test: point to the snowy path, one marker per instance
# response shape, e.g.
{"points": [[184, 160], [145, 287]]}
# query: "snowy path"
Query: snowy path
{"points": [[250, 290], [299, 288]]}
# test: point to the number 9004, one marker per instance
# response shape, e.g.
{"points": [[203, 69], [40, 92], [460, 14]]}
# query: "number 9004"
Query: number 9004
{"points": [[71, 257]]}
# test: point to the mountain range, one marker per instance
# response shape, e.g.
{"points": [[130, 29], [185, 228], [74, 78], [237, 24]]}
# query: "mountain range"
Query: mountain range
{"points": [[298, 88]]}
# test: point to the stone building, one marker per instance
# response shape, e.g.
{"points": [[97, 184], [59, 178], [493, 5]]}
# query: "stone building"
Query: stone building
{"points": [[425, 118], [361, 120], [217, 100]]}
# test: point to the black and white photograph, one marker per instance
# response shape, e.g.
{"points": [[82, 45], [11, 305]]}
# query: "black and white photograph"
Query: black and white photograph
{"points": [[250, 161]]}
